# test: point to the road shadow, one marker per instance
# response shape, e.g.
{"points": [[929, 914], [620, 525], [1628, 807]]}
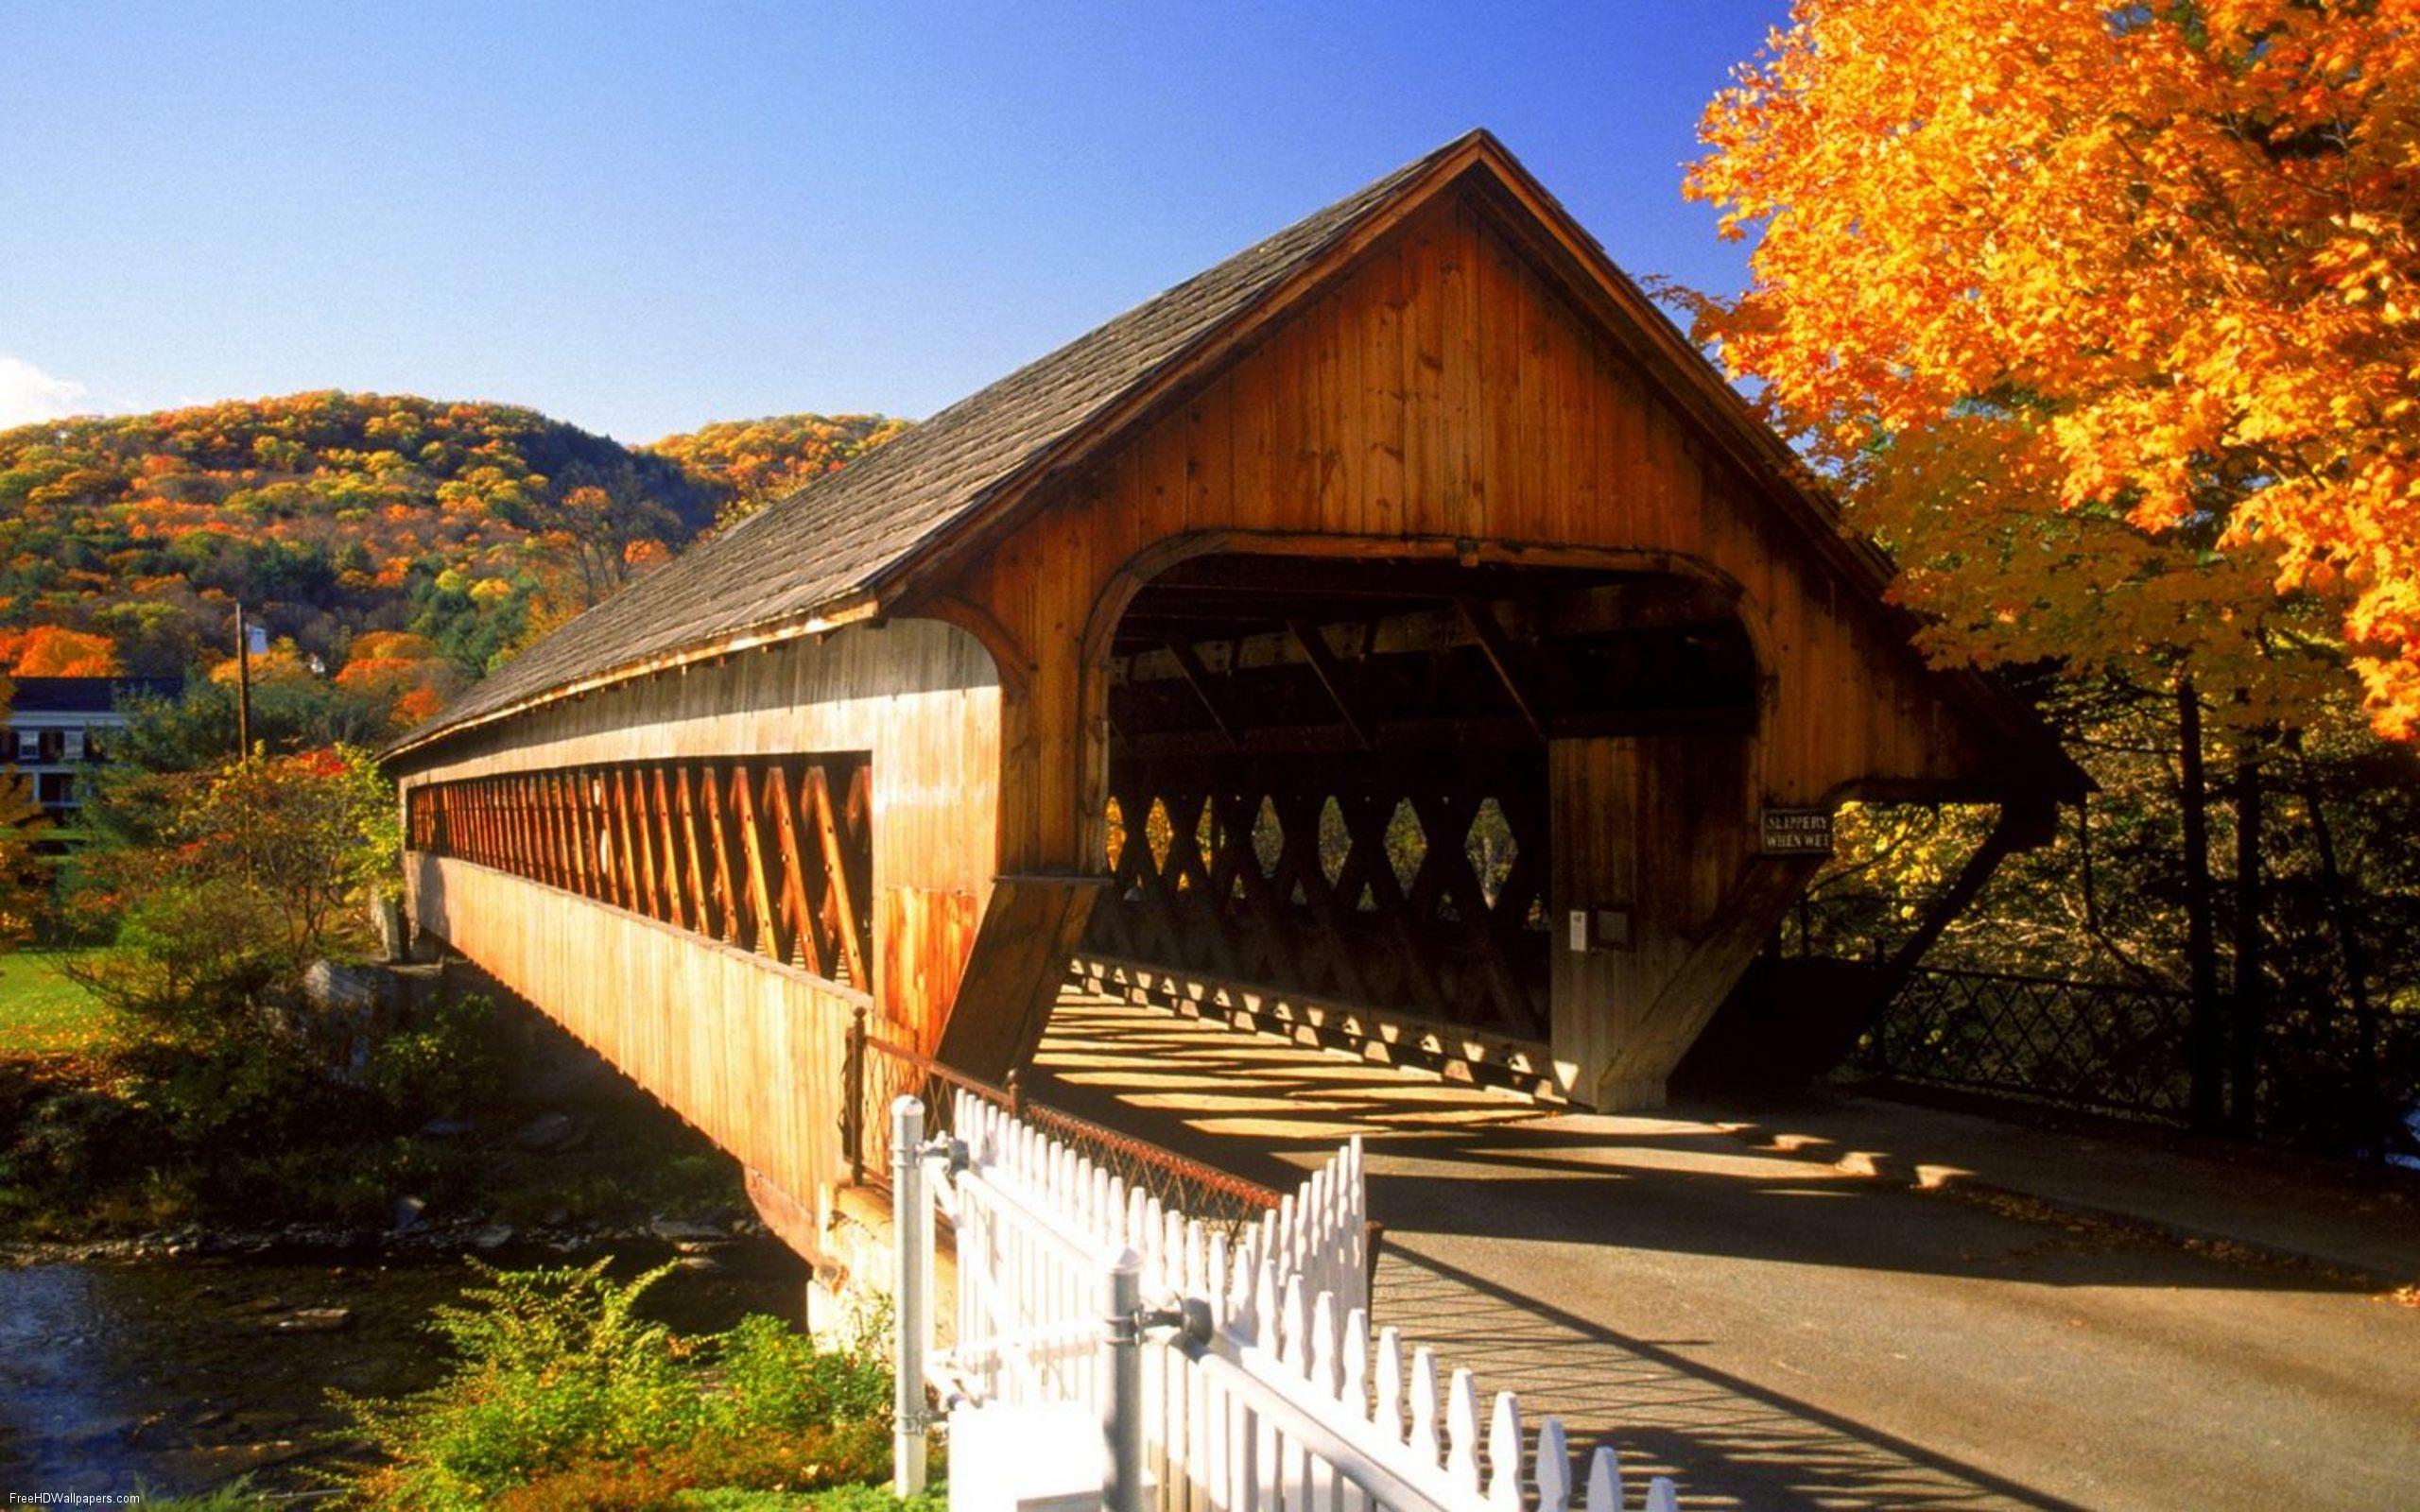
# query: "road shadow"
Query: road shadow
{"points": [[1454, 1158]]}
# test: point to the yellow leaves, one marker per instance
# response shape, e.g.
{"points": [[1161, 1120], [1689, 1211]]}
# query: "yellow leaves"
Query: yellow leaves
{"points": [[2161, 276]]}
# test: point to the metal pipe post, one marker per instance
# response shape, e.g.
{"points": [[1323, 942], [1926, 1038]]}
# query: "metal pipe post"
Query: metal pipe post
{"points": [[1121, 1396], [909, 1330]]}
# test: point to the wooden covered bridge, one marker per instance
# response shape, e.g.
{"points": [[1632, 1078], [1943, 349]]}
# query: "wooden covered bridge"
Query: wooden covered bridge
{"points": [[1399, 617]]}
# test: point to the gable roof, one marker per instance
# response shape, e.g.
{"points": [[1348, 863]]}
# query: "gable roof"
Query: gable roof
{"points": [[80, 695], [811, 554], [827, 554]]}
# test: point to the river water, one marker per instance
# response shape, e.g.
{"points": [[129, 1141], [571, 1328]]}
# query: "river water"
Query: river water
{"points": [[179, 1375]]}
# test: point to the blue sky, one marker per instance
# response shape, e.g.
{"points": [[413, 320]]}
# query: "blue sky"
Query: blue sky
{"points": [[643, 217]]}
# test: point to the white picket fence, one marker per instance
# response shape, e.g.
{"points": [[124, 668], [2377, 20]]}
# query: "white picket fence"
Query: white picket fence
{"points": [[1255, 1385], [1032, 1220]]}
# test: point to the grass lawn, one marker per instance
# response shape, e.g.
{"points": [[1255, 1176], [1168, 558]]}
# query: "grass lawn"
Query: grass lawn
{"points": [[44, 1013]]}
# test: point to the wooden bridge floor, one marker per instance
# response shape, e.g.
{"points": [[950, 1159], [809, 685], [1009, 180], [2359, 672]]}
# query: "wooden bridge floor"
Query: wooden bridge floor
{"points": [[1778, 1333]]}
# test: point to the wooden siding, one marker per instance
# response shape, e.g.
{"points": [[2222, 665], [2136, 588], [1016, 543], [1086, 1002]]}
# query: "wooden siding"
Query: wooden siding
{"points": [[1442, 398], [918, 698], [749, 1050]]}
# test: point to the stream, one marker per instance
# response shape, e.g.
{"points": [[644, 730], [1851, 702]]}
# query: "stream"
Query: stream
{"points": [[179, 1375]]}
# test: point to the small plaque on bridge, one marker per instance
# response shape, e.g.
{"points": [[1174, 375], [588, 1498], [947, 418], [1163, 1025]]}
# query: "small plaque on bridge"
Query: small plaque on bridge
{"points": [[1796, 832]]}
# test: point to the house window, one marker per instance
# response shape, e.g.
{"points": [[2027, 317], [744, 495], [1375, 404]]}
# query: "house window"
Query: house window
{"points": [[56, 790], [28, 744], [54, 746], [93, 746]]}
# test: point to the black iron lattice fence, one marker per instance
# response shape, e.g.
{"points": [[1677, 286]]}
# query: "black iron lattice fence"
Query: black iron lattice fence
{"points": [[2324, 1078], [2110, 1047]]}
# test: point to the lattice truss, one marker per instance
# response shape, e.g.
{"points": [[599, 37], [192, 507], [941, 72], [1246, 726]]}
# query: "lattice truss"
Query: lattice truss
{"points": [[1414, 886], [771, 855]]}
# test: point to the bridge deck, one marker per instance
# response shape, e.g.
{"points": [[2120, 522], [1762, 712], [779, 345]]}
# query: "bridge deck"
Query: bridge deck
{"points": [[1781, 1330]]}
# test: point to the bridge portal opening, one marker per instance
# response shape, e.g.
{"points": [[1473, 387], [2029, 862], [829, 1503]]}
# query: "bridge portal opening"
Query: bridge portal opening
{"points": [[1332, 784]]}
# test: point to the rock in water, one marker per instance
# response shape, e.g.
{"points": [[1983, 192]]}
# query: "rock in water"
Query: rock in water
{"points": [[684, 1235], [316, 1320], [550, 1133], [407, 1213]]}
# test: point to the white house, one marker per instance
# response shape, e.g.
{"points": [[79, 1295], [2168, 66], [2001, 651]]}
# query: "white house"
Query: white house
{"points": [[56, 725]]}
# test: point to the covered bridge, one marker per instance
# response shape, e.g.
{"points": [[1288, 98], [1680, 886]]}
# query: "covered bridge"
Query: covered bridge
{"points": [[1400, 615]]}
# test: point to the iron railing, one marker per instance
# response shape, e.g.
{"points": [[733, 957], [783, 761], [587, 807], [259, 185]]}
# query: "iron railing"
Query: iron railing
{"points": [[879, 1072], [2109, 1047], [2323, 1078]]}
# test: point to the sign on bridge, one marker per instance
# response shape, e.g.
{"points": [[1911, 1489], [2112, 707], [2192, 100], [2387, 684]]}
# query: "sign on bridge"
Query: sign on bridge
{"points": [[1795, 833]]}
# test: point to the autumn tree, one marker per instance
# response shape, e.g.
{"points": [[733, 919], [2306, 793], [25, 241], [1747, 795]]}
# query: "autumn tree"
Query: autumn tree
{"points": [[406, 672], [2105, 319], [597, 524], [221, 885], [54, 651]]}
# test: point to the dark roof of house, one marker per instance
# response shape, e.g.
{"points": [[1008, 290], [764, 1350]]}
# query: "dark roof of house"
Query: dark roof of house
{"points": [[818, 547], [81, 695]]}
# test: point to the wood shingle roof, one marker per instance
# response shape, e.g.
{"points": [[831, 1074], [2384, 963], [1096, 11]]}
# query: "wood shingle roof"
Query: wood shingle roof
{"points": [[819, 550]]}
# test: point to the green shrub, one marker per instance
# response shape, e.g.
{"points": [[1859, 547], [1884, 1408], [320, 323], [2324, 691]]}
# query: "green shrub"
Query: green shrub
{"points": [[562, 1396], [440, 1066], [764, 1462], [552, 1365], [773, 1376], [236, 1496], [252, 1091]]}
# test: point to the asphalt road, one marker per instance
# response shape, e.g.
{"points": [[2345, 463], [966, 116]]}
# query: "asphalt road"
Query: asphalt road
{"points": [[1780, 1335]]}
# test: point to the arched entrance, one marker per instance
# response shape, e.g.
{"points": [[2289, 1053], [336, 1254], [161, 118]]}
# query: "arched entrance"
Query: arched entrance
{"points": [[1331, 781]]}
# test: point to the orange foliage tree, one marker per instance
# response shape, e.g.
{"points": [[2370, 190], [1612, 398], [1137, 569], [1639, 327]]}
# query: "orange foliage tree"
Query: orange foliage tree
{"points": [[406, 671], [54, 651], [2106, 318]]}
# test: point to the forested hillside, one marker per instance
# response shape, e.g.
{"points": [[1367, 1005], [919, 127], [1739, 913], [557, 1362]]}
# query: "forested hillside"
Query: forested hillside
{"points": [[759, 460], [390, 544]]}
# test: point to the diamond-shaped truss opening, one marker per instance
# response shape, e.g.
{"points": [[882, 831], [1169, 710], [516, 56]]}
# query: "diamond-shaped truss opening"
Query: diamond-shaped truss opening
{"points": [[1158, 834], [1407, 843], [1334, 839], [1117, 846], [1491, 849], [1268, 838]]}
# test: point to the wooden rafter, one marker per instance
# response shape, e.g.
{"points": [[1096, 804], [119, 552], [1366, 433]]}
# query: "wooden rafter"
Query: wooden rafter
{"points": [[705, 908], [1486, 630], [1332, 677], [765, 930], [674, 911], [727, 907], [1197, 677], [769, 855]]}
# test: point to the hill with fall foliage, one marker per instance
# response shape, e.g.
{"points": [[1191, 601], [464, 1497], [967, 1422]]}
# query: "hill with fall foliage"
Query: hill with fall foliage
{"points": [[760, 460], [386, 541]]}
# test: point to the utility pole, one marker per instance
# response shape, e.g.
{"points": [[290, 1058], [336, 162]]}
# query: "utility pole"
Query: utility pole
{"points": [[243, 687]]}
